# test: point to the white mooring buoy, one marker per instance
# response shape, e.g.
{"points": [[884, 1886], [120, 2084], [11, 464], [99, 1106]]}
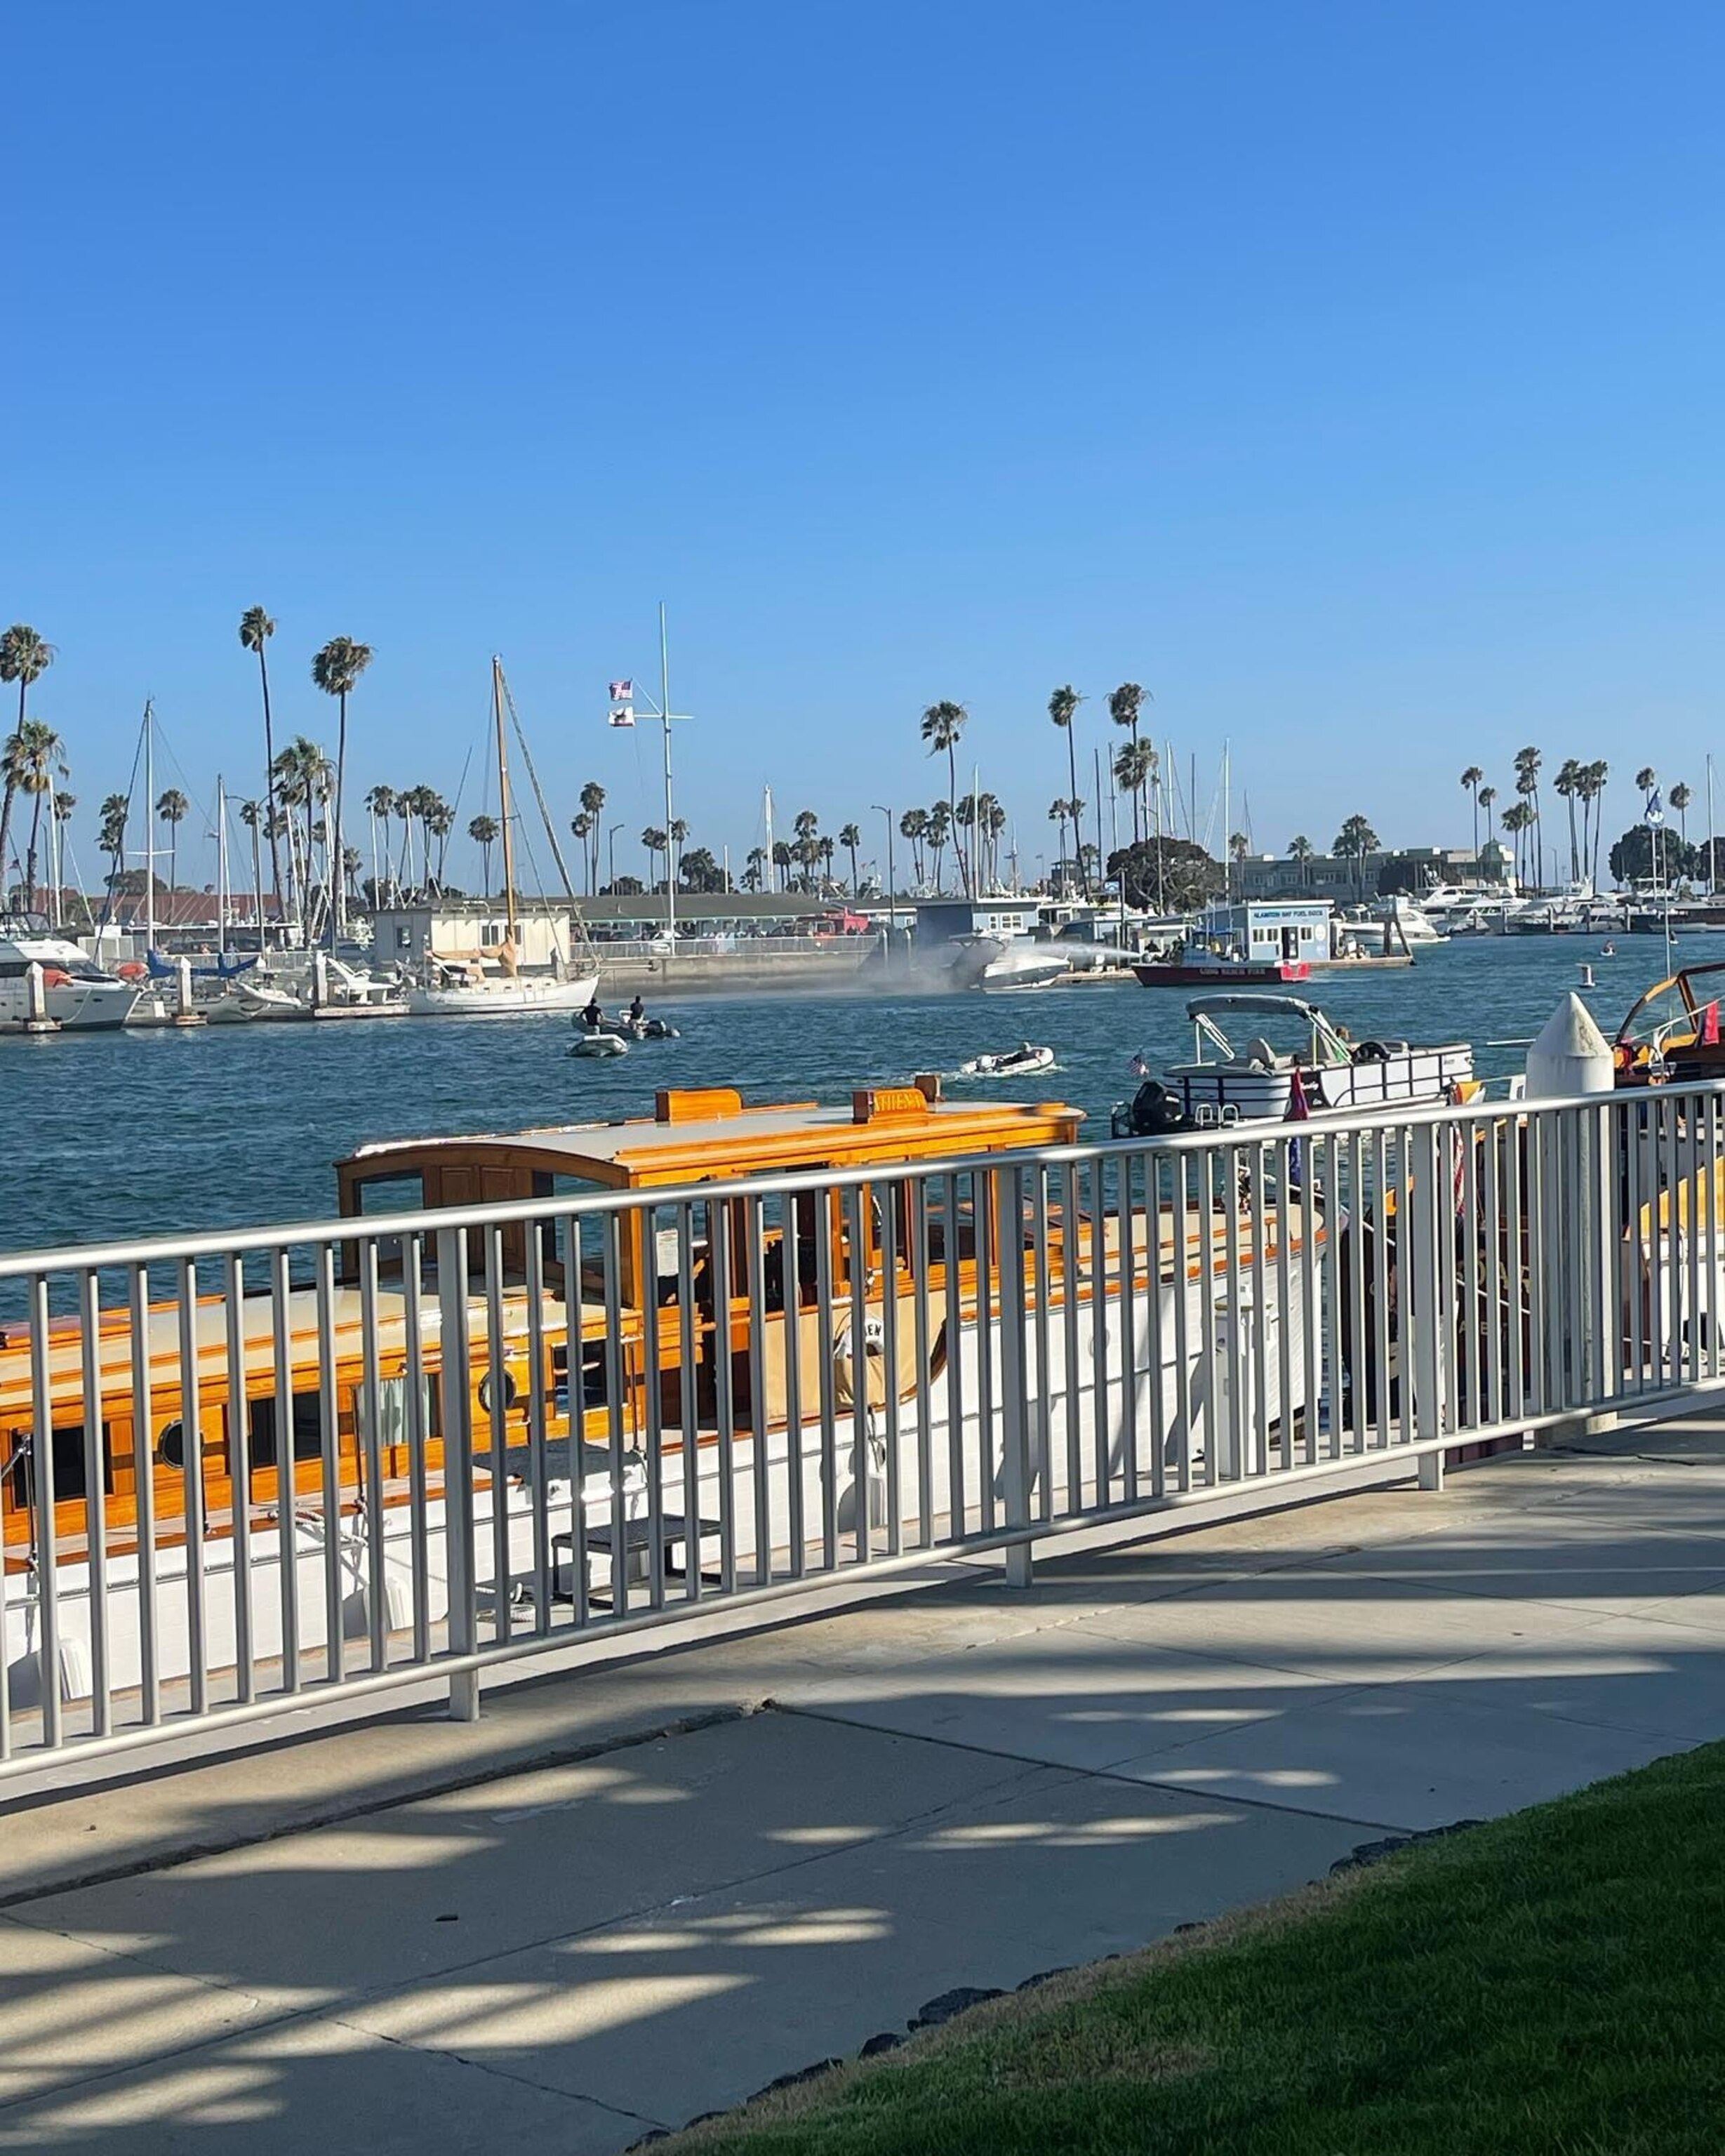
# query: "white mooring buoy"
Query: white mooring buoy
{"points": [[1570, 1056], [1587, 974]]}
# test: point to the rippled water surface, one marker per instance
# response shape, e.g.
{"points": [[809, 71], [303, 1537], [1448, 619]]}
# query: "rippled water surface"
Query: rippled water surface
{"points": [[116, 1134]]}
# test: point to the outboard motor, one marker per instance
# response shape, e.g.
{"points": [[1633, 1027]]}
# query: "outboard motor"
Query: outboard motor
{"points": [[1153, 1113]]}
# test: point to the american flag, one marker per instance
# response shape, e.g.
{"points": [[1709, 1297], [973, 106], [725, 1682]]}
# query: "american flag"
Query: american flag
{"points": [[623, 692]]}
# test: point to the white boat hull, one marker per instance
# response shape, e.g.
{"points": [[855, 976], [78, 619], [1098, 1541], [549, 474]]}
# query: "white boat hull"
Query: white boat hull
{"points": [[503, 998], [1402, 1079], [74, 1006], [1091, 1443]]}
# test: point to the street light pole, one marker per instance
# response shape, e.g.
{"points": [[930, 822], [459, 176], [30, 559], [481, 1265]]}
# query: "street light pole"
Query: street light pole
{"points": [[891, 883]]}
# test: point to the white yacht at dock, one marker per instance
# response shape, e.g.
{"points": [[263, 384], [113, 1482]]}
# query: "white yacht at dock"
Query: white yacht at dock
{"points": [[75, 993]]}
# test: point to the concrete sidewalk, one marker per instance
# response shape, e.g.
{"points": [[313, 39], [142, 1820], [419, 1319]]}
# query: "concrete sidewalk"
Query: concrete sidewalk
{"points": [[963, 1787]]}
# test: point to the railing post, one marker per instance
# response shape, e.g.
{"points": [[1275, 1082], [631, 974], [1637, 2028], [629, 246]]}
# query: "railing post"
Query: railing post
{"points": [[455, 1366], [1424, 1315], [1014, 1404]]}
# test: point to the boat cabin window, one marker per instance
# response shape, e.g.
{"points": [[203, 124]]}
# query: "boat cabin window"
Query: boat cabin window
{"points": [[18, 1476], [1664, 1014], [262, 1432], [400, 1190]]}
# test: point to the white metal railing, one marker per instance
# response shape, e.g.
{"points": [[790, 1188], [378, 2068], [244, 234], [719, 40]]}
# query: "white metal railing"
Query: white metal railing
{"points": [[328, 1458]]}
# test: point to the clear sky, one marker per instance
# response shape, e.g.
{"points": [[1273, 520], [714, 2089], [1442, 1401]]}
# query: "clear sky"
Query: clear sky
{"points": [[1349, 374]]}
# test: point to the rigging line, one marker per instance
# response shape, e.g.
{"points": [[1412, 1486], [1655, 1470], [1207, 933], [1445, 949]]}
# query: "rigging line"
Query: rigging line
{"points": [[556, 851]]}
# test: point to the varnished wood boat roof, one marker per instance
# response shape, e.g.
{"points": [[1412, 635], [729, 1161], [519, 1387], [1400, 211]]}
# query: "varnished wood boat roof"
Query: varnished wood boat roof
{"points": [[696, 1135]]}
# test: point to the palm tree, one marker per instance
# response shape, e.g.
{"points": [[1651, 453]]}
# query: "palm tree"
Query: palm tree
{"points": [[757, 862], [1486, 797], [116, 812], [24, 658], [1133, 764], [1302, 851], [1598, 775], [1527, 762], [1647, 779], [439, 821], [255, 816], [1680, 798], [943, 725], [1125, 704], [1356, 841], [593, 805], [1063, 710], [302, 782], [781, 865], [656, 842], [940, 834], [913, 825], [1517, 819], [380, 806], [1567, 786], [32, 756], [484, 832], [335, 669], [1057, 810], [1471, 781], [172, 809], [255, 630], [850, 839], [825, 848]]}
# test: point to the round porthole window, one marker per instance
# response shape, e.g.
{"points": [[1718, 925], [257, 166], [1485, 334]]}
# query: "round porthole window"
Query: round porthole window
{"points": [[171, 1444], [487, 1395]]}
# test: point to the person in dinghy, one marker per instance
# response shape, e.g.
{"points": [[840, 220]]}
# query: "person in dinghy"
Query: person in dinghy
{"points": [[1009, 1063]]}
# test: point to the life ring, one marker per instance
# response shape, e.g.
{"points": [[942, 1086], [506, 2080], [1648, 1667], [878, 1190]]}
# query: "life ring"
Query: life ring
{"points": [[132, 970]]}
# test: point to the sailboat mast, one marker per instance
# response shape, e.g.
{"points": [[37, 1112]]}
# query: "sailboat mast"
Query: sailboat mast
{"points": [[221, 868], [149, 823], [670, 839], [503, 797]]}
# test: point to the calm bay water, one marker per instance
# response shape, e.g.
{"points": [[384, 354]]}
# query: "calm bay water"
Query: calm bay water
{"points": [[114, 1135]]}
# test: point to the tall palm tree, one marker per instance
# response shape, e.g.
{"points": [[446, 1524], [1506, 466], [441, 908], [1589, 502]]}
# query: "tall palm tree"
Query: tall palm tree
{"points": [[1680, 797], [940, 835], [850, 839], [484, 831], [380, 807], [1133, 762], [30, 758], [581, 828], [255, 816], [1598, 775], [116, 812], [1063, 710], [1125, 704], [942, 726], [1486, 797], [593, 807], [913, 825], [335, 669], [302, 780], [1301, 852], [656, 842], [255, 630], [24, 658], [1471, 781], [439, 825], [1567, 785], [1527, 763], [757, 862], [172, 809]]}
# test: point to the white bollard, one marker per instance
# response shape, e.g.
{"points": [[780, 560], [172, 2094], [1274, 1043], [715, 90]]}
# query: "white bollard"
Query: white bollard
{"points": [[1571, 1056]]}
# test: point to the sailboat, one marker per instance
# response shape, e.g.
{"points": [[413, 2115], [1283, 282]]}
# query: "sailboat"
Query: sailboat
{"points": [[467, 986]]}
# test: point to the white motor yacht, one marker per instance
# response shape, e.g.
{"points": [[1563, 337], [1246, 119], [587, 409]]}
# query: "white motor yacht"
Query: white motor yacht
{"points": [[76, 994]]}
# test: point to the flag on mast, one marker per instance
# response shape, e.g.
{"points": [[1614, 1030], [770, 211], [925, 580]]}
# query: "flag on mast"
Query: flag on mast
{"points": [[622, 703], [1655, 811]]}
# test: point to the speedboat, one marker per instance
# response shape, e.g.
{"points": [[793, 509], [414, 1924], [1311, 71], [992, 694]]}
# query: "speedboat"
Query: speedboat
{"points": [[1328, 1070], [75, 994], [1010, 1063], [644, 1028]]}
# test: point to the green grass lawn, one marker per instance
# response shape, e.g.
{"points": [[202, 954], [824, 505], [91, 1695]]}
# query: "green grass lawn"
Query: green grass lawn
{"points": [[1554, 1982]]}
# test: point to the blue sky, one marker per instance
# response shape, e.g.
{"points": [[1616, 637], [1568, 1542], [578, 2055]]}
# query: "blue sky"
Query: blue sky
{"points": [[1348, 375]]}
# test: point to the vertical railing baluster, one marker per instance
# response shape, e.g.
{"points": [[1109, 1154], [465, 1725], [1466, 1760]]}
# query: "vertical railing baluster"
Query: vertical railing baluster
{"points": [[95, 1503], [239, 1473], [44, 1509], [191, 1487]]}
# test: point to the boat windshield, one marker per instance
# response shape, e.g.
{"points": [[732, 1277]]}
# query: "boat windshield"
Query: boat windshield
{"points": [[1676, 1012]]}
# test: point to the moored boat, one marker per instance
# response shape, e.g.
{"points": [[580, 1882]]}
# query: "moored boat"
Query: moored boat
{"points": [[1330, 1071], [754, 1346]]}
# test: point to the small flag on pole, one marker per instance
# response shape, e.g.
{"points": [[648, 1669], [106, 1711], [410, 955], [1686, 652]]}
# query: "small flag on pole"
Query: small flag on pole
{"points": [[623, 692], [622, 703], [1656, 808], [623, 714]]}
